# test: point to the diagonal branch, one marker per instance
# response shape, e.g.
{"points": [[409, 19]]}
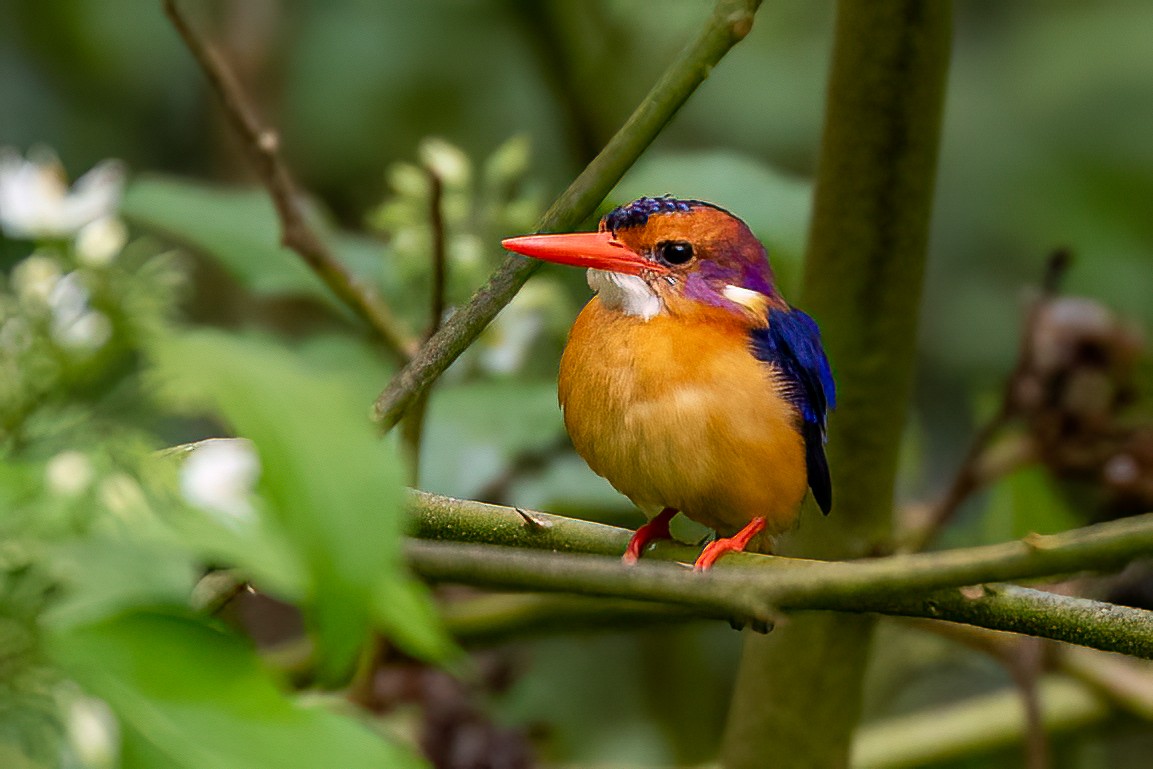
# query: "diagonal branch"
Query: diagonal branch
{"points": [[970, 476], [730, 22], [263, 148]]}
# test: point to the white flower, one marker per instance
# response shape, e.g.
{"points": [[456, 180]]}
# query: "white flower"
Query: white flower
{"points": [[74, 324], [219, 476], [35, 201], [100, 241], [121, 495], [68, 298], [447, 161], [93, 732], [69, 473], [90, 331], [35, 278]]}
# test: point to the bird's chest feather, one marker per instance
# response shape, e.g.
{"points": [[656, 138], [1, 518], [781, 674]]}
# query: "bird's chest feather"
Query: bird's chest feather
{"points": [[675, 411]]}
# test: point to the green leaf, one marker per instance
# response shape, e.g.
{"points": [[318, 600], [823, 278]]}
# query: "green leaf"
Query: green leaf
{"points": [[195, 696], [1025, 502], [101, 575], [474, 429], [238, 228], [332, 486]]}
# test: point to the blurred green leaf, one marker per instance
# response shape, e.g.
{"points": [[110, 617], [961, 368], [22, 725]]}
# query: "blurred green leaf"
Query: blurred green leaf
{"points": [[238, 228], [1025, 502], [332, 485], [101, 576], [196, 697], [474, 429]]}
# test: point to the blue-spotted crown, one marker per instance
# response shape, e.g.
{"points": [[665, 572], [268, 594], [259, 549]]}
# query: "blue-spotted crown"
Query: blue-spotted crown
{"points": [[637, 213]]}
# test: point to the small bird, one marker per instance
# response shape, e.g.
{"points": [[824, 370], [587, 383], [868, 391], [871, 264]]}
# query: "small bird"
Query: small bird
{"points": [[687, 381]]}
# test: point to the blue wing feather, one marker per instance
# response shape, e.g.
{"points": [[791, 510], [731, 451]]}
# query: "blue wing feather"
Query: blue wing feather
{"points": [[792, 343]]}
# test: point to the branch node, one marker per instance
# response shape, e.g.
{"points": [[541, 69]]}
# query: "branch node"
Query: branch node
{"points": [[268, 141], [1035, 541], [531, 521], [974, 592]]}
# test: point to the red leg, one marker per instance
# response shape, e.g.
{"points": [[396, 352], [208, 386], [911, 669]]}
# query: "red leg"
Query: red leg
{"points": [[734, 544], [657, 528]]}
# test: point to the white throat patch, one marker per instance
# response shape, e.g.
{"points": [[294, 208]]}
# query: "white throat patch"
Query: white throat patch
{"points": [[627, 293]]}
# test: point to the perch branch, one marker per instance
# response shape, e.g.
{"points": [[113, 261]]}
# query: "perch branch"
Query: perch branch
{"points": [[729, 23], [896, 585], [552, 553], [262, 145]]}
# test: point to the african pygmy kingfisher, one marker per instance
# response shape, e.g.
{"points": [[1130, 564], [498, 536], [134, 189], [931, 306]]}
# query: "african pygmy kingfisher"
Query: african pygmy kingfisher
{"points": [[687, 381]]}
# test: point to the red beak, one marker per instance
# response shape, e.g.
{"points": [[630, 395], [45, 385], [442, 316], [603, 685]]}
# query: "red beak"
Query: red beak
{"points": [[598, 250]]}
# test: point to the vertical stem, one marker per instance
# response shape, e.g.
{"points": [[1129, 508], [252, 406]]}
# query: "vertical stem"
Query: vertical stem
{"points": [[797, 698], [412, 429]]}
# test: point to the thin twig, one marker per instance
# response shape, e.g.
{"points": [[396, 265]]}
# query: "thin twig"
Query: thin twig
{"points": [[1025, 666], [413, 428], [730, 22], [973, 726], [262, 145], [438, 300], [970, 475], [1025, 659]]}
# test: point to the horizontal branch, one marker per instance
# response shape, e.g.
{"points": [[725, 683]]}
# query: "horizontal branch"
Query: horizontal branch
{"points": [[729, 23], [975, 725], [493, 618], [746, 597], [1101, 547], [753, 588]]}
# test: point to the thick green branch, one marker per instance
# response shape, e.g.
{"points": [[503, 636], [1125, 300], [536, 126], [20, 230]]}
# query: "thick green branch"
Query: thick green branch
{"points": [[756, 595], [863, 268], [975, 725], [494, 618], [753, 587], [729, 23], [1080, 621], [1101, 547]]}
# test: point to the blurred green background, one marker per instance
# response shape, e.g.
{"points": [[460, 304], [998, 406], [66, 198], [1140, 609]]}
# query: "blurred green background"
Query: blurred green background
{"points": [[1048, 142]]}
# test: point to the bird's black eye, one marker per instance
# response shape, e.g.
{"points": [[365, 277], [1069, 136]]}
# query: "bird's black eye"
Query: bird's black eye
{"points": [[675, 251]]}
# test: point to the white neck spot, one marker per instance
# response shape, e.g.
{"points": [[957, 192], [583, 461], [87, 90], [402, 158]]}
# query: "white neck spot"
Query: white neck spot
{"points": [[629, 294], [747, 298]]}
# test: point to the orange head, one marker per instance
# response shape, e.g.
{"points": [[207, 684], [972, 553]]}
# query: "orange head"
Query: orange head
{"points": [[657, 253]]}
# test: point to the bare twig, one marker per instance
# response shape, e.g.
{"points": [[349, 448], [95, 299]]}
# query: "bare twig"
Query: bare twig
{"points": [[413, 429], [730, 22], [438, 300], [262, 145], [971, 473]]}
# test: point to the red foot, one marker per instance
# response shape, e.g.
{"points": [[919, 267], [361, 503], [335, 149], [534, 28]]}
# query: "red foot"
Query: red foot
{"points": [[734, 544], [657, 528]]}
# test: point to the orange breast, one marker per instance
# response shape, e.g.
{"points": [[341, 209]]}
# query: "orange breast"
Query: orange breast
{"points": [[676, 412]]}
